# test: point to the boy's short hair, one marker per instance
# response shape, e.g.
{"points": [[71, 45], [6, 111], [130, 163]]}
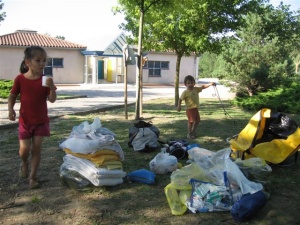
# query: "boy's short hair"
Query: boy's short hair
{"points": [[189, 78]]}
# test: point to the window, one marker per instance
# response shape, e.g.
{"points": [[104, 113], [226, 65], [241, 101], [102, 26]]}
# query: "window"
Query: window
{"points": [[57, 63], [53, 63], [155, 67]]}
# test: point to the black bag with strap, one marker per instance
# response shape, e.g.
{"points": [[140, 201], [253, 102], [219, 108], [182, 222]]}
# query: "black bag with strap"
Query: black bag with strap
{"points": [[143, 136]]}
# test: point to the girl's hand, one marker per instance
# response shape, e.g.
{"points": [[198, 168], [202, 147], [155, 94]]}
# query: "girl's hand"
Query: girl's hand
{"points": [[12, 115], [50, 83]]}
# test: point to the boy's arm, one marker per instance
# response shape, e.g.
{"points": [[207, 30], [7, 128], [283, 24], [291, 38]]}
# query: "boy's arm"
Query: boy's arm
{"points": [[208, 85], [179, 105]]}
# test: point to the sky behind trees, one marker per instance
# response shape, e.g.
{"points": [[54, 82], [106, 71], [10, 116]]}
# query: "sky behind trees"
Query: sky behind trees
{"points": [[76, 20]]}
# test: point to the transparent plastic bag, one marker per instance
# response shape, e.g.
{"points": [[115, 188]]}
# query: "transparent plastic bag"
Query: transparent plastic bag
{"points": [[208, 197], [163, 163], [255, 169], [74, 179], [85, 127], [219, 162], [180, 178]]}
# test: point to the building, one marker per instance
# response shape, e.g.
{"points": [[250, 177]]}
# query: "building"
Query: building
{"points": [[101, 59], [65, 61]]}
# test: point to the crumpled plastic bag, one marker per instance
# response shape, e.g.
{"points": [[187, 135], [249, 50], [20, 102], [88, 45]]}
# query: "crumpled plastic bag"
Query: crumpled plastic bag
{"points": [[255, 169], [163, 163], [216, 164], [180, 178]]}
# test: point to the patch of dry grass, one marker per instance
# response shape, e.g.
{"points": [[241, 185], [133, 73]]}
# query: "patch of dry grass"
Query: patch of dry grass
{"points": [[132, 203]]}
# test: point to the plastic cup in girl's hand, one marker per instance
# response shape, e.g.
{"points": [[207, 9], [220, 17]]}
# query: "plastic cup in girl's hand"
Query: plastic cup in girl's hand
{"points": [[44, 80]]}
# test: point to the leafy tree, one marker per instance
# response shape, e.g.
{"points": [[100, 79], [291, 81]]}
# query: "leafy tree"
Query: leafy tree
{"points": [[296, 59], [207, 64], [295, 54], [258, 57], [187, 26], [134, 9], [60, 37], [212, 65], [3, 14]]}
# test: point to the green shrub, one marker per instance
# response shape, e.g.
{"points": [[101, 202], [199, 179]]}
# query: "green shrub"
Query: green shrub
{"points": [[284, 99], [5, 87]]}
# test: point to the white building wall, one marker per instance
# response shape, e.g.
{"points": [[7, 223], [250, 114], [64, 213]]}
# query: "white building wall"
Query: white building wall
{"points": [[74, 66], [71, 73], [73, 70], [10, 61], [188, 66]]}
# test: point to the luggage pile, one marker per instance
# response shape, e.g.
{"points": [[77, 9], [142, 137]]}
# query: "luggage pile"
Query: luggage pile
{"points": [[93, 157], [212, 182], [233, 179]]}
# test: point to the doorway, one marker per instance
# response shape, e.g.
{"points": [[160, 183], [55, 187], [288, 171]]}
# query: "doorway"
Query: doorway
{"points": [[100, 69]]}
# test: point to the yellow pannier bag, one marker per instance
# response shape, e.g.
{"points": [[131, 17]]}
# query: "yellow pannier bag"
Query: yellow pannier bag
{"points": [[270, 135]]}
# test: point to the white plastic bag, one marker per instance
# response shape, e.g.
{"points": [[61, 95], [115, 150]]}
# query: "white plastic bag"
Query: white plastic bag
{"points": [[219, 162], [163, 163], [83, 146], [85, 127]]}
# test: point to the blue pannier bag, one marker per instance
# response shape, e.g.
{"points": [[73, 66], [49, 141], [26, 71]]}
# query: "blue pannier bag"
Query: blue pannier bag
{"points": [[248, 205], [142, 176]]}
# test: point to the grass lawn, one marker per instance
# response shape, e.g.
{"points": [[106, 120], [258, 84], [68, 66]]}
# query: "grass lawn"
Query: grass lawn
{"points": [[133, 203]]}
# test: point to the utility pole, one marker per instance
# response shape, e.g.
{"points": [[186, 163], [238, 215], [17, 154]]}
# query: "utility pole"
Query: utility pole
{"points": [[129, 59]]}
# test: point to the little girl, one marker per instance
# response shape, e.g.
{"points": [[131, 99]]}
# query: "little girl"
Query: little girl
{"points": [[33, 119]]}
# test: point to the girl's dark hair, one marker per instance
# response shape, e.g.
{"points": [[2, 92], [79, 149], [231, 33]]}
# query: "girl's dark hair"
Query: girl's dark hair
{"points": [[189, 78], [29, 54]]}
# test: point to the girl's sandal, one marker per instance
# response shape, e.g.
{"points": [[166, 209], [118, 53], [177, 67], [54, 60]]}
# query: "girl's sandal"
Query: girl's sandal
{"points": [[33, 183], [23, 172], [192, 136]]}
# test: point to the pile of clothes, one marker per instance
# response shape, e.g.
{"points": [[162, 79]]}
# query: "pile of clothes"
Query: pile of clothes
{"points": [[93, 156]]}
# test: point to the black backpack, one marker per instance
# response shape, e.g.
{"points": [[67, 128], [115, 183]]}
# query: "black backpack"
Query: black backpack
{"points": [[143, 136]]}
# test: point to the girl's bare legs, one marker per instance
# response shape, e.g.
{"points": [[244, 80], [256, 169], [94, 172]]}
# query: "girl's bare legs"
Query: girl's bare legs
{"points": [[24, 151], [34, 146], [35, 155]]}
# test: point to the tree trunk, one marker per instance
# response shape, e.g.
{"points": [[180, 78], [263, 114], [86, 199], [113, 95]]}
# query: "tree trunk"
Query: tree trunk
{"points": [[139, 78], [176, 81]]}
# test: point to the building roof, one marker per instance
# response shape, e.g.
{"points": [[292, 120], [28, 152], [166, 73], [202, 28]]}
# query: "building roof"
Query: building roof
{"points": [[106, 45], [29, 38]]}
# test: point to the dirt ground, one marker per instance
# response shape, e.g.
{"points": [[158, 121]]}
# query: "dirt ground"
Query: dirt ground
{"points": [[57, 204]]}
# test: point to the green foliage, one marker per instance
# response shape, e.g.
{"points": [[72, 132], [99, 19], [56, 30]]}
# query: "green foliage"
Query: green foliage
{"points": [[60, 37], [212, 65], [281, 99], [183, 26], [5, 86], [295, 55], [207, 64], [3, 14], [35, 199], [258, 57]]}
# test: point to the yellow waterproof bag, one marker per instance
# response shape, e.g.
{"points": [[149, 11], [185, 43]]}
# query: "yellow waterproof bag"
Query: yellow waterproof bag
{"points": [[270, 135]]}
